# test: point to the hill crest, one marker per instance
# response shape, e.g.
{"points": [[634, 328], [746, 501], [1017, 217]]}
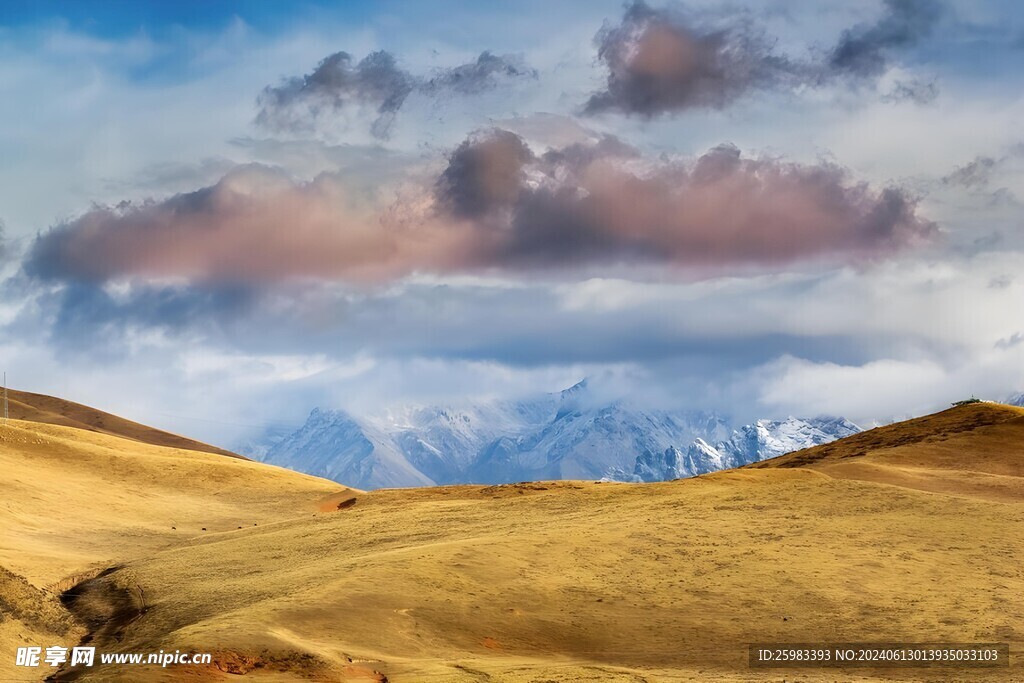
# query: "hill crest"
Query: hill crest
{"points": [[31, 407], [934, 427]]}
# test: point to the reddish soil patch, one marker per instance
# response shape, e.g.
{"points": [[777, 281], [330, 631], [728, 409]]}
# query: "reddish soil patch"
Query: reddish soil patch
{"points": [[367, 674]]}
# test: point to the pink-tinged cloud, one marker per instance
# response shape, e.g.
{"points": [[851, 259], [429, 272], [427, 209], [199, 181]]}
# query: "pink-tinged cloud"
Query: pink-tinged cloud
{"points": [[721, 209], [495, 206], [603, 203], [659, 63], [253, 225], [663, 60]]}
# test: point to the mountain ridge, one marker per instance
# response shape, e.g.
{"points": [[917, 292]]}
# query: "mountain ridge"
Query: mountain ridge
{"points": [[572, 434]]}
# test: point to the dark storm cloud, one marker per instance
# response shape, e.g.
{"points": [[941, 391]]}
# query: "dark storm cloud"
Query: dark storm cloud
{"points": [[864, 50], [338, 83], [657, 62]]}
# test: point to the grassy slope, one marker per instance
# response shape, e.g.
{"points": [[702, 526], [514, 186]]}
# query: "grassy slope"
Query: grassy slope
{"points": [[77, 501], [915, 536], [51, 410], [974, 451]]}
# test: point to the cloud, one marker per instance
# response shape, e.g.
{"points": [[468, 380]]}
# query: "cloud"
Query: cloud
{"points": [[336, 83], [602, 203], [764, 346], [90, 321], [5, 249], [863, 50], [371, 273], [657, 63], [484, 174], [339, 86], [495, 206], [171, 176], [548, 130], [894, 388], [475, 77], [921, 92], [661, 61], [882, 387], [974, 174], [1014, 339], [254, 225]]}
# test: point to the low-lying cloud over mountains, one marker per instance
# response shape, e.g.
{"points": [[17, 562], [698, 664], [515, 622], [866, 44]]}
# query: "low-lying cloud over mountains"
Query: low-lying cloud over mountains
{"points": [[574, 434]]}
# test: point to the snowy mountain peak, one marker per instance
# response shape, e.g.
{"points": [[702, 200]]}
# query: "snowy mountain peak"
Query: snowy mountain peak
{"points": [[576, 389], [757, 441], [571, 434], [702, 446]]}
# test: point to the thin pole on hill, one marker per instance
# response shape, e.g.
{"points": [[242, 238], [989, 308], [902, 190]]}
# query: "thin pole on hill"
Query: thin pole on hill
{"points": [[5, 397]]}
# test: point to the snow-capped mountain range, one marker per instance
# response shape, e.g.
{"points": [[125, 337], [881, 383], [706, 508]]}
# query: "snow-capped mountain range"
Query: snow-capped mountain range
{"points": [[567, 435], [750, 443]]}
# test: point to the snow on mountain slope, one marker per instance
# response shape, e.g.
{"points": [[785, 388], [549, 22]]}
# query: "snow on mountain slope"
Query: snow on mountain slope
{"points": [[411, 446], [334, 445], [444, 443], [573, 434], [587, 443], [751, 443], [699, 458], [767, 439]]}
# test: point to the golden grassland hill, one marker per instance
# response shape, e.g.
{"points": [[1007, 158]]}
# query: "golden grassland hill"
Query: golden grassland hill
{"points": [[24, 405], [910, 532], [973, 450], [76, 501]]}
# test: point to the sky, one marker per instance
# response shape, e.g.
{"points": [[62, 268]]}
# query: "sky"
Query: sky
{"points": [[218, 216]]}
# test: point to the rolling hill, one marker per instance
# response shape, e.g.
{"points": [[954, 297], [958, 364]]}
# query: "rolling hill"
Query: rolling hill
{"points": [[76, 501], [24, 405], [909, 532]]}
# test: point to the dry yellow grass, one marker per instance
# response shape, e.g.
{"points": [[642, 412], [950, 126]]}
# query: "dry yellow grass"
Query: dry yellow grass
{"points": [[77, 501], [32, 407], [915, 536]]}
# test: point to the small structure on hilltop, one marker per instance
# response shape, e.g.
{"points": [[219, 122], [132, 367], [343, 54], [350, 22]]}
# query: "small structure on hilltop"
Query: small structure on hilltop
{"points": [[968, 401]]}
